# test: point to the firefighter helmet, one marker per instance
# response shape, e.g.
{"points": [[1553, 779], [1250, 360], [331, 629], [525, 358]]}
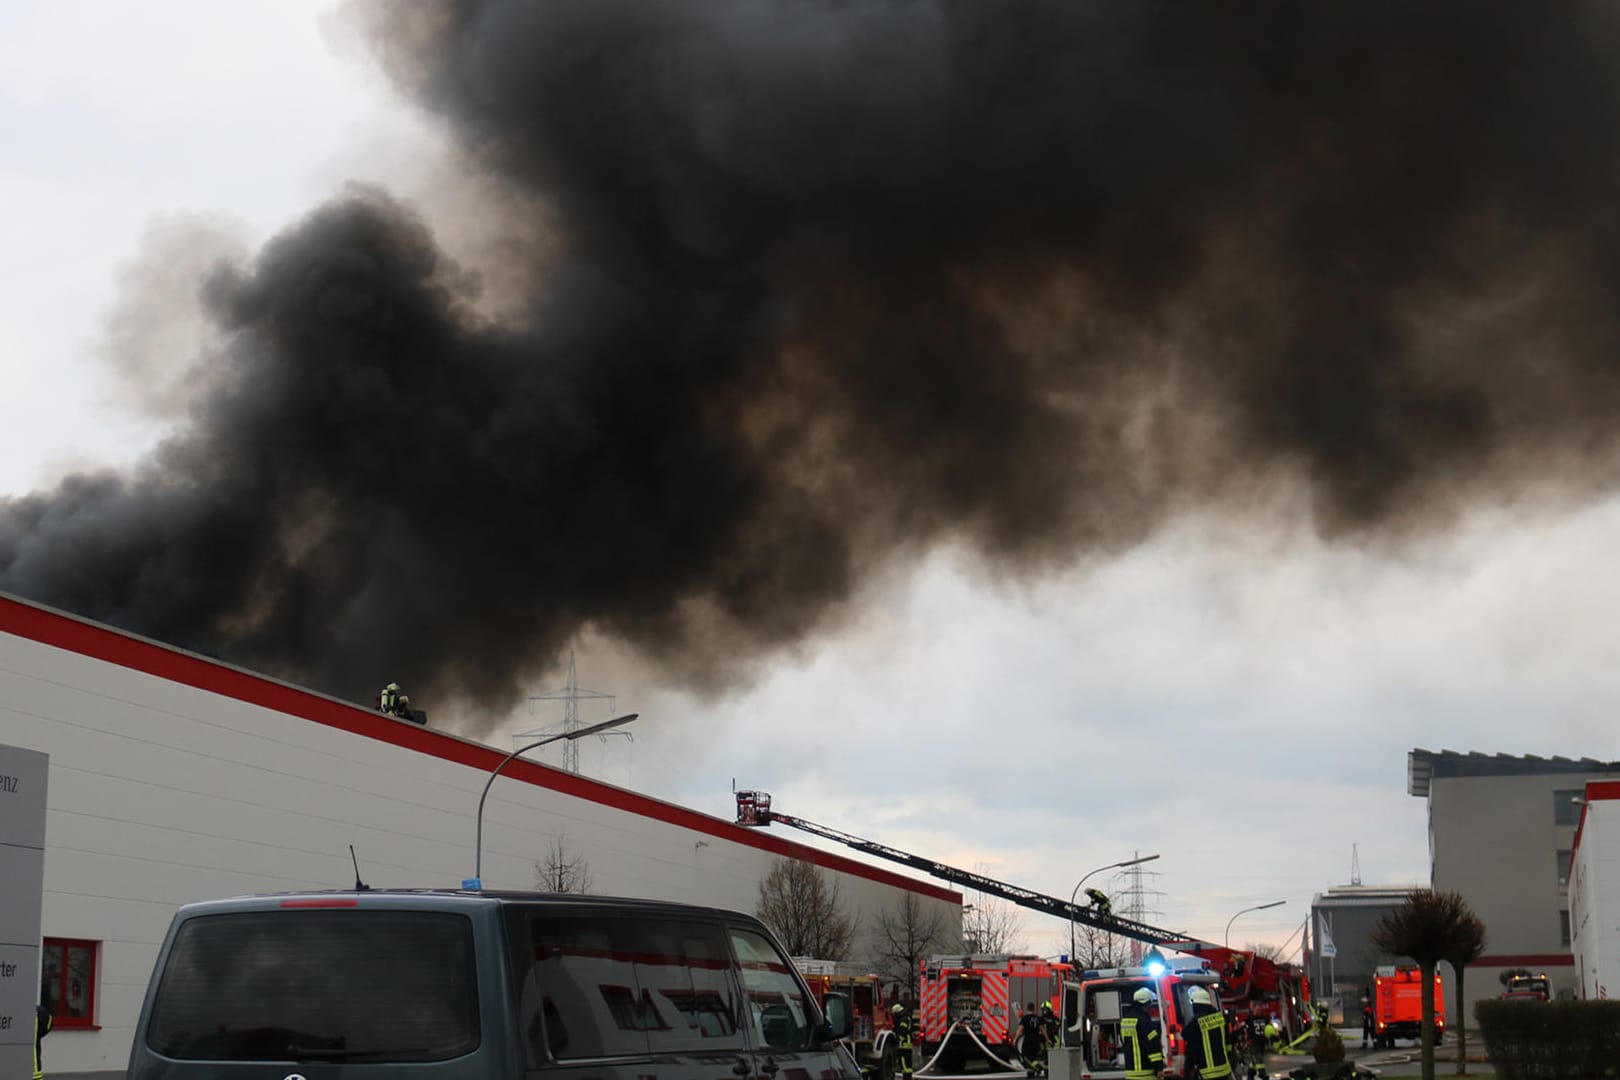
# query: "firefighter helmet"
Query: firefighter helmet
{"points": [[1143, 996], [897, 1008], [1199, 996]]}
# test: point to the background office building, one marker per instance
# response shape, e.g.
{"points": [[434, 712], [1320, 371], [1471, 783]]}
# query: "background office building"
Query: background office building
{"points": [[1345, 916], [1502, 833], [175, 778]]}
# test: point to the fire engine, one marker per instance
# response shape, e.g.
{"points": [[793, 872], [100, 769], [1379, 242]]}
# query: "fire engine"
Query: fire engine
{"points": [[1254, 988], [1528, 988], [1093, 1007], [872, 1042], [968, 1008], [1398, 1005]]}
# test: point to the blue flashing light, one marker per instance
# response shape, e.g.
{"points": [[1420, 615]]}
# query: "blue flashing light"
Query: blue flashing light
{"points": [[472, 884]]}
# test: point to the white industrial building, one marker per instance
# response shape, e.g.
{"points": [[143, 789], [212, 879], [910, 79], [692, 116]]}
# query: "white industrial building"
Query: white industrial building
{"points": [[176, 778], [1594, 892]]}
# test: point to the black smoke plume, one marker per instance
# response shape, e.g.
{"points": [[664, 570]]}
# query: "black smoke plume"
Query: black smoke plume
{"points": [[825, 284]]}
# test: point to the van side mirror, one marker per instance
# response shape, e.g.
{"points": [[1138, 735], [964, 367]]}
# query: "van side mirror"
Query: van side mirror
{"points": [[840, 1018]]}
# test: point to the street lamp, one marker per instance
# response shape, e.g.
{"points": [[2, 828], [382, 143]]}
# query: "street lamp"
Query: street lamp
{"points": [[477, 880], [1257, 907], [1082, 881]]}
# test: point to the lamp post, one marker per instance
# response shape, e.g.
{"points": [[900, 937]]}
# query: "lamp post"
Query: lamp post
{"points": [[1082, 881], [1227, 940], [477, 880]]}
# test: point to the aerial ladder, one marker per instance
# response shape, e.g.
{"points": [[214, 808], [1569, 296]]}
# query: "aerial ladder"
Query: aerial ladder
{"points": [[1241, 971], [754, 810]]}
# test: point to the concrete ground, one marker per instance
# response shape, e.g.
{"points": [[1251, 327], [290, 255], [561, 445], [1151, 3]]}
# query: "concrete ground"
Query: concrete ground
{"points": [[1404, 1060]]}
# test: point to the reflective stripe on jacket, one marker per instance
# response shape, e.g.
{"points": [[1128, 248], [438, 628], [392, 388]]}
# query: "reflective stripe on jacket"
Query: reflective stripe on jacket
{"points": [[1206, 1043], [1144, 1056]]}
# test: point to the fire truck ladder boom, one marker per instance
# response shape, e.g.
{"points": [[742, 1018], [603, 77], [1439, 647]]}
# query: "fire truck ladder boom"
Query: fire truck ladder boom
{"points": [[754, 810]]}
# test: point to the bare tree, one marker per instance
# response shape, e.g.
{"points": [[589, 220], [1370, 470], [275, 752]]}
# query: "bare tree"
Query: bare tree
{"points": [[1266, 952], [562, 869], [1430, 927], [1464, 945], [1095, 948], [799, 903], [905, 936], [990, 925]]}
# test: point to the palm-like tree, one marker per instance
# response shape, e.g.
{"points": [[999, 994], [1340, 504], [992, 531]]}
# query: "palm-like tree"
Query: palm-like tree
{"points": [[1430, 927]]}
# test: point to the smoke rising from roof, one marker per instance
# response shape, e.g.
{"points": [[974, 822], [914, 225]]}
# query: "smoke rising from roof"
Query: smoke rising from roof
{"points": [[825, 284]]}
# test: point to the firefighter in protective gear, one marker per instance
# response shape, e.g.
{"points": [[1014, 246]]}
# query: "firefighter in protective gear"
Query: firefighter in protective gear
{"points": [[905, 1031], [1139, 1030], [1099, 901], [42, 1028], [388, 699], [1031, 1036], [1205, 1035], [1049, 1025]]}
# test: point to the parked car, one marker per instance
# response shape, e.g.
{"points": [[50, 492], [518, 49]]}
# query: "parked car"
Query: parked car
{"points": [[464, 985]]}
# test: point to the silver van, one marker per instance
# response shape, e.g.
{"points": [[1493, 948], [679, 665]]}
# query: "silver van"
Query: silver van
{"points": [[442, 985]]}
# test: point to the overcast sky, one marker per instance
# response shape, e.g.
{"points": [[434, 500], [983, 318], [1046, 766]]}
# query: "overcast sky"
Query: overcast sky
{"points": [[1239, 700]]}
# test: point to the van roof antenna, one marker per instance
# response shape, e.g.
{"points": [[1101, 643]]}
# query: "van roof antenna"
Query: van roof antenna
{"points": [[359, 886]]}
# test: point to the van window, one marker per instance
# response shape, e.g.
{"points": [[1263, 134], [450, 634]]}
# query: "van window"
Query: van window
{"points": [[613, 987], [366, 985], [778, 1009]]}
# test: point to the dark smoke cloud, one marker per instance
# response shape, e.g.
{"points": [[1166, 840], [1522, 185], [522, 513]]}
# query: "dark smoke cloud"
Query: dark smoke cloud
{"points": [[825, 284]]}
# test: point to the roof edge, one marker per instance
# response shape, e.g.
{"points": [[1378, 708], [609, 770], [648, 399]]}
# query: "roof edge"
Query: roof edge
{"points": [[57, 629]]}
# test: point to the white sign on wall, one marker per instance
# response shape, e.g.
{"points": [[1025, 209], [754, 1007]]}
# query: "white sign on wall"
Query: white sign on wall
{"points": [[22, 877]]}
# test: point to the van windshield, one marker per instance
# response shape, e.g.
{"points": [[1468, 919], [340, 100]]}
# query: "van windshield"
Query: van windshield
{"points": [[318, 985]]}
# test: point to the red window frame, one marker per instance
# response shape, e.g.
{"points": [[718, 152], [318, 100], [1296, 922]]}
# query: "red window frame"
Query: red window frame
{"points": [[59, 1017]]}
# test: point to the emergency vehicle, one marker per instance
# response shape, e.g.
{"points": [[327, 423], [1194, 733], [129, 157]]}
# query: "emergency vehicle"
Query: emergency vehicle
{"points": [[1528, 988], [872, 1042], [1398, 1005], [1094, 1006], [968, 1008], [1254, 989]]}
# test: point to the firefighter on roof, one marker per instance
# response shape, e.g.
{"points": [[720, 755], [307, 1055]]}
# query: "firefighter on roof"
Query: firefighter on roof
{"points": [[388, 699], [1139, 1029], [1099, 901], [1205, 1033], [905, 1027]]}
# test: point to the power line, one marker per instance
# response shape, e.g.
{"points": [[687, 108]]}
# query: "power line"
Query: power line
{"points": [[571, 695]]}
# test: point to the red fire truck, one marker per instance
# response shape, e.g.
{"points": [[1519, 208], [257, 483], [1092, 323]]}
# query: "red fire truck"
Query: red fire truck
{"points": [[872, 1043], [1398, 1005], [968, 1007], [1254, 988]]}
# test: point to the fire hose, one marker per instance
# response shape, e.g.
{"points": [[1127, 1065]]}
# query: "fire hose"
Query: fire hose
{"points": [[974, 1035]]}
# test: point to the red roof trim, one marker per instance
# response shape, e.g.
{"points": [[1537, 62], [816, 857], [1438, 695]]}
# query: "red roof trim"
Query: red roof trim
{"points": [[1596, 791], [1529, 960], [99, 642]]}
